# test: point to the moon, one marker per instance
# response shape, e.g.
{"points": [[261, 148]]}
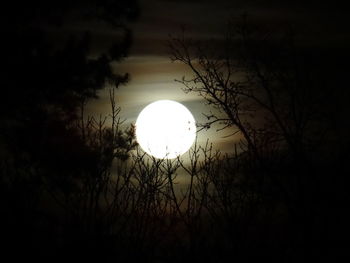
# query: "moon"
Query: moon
{"points": [[165, 129]]}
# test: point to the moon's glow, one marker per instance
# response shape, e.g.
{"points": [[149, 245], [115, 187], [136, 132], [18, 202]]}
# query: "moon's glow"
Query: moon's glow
{"points": [[165, 129]]}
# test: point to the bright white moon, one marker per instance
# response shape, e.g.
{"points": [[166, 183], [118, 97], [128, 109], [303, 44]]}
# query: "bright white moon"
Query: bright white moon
{"points": [[165, 129]]}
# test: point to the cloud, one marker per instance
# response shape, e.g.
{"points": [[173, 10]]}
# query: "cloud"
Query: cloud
{"points": [[152, 78]]}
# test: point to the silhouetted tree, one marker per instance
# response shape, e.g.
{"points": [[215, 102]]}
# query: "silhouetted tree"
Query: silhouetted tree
{"points": [[51, 70], [276, 95]]}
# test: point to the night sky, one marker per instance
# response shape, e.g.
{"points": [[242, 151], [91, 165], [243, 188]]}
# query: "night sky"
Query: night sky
{"points": [[70, 183], [318, 26]]}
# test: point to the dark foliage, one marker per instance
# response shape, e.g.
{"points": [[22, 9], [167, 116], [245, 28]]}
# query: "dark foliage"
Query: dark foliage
{"points": [[49, 73], [72, 184]]}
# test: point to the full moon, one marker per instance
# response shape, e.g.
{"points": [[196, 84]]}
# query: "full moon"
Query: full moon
{"points": [[165, 129]]}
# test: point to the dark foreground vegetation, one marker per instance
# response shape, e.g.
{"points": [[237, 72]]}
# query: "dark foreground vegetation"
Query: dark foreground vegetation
{"points": [[74, 184]]}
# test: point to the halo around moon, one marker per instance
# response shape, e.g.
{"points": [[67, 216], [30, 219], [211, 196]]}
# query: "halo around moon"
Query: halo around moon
{"points": [[165, 129]]}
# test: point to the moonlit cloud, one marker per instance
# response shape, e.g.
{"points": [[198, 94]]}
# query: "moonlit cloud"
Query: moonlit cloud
{"points": [[153, 74]]}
